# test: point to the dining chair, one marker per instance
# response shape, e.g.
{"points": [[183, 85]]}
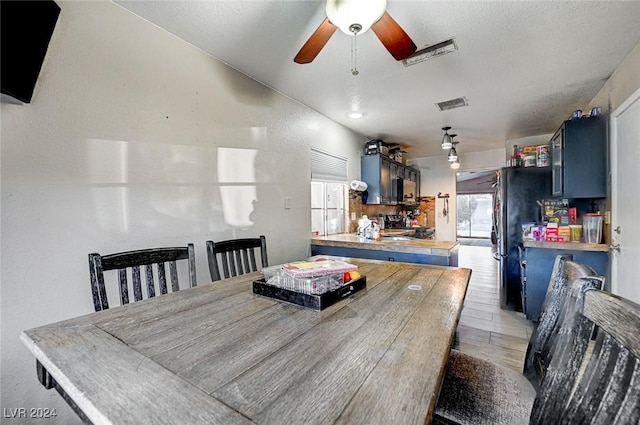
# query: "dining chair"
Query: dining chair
{"points": [[129, 264], [236, 255], [475, 390], [601, 389]]}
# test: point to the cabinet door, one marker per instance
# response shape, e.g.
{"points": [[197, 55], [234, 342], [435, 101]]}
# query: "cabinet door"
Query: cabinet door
{"points": [[394, 171], [557, 163], [385, 181]]}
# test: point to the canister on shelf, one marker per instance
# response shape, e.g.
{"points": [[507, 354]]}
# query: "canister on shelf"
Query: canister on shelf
{"points": [[542, 154]]}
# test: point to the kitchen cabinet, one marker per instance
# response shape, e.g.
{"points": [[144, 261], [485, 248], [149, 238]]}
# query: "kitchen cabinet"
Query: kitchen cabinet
{"points": [[537, 264], [579, 159], [384, 178]]}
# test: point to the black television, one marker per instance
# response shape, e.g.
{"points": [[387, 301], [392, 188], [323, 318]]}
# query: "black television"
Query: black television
{"points": [[26, 28]]}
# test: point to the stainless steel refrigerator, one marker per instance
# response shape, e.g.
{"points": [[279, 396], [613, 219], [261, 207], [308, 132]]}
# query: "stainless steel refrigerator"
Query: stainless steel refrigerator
{"points": [[517, 191]]}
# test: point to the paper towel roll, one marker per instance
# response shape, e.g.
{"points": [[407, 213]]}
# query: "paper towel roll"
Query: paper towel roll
{"points": [[358, 186]]}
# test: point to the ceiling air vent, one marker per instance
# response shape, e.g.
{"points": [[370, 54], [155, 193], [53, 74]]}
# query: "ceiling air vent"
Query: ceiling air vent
{"points": [[431, 51], [452, 104]]}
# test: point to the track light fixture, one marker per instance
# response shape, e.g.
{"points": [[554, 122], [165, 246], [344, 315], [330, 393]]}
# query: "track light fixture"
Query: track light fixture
{"points": [[446, 139]]}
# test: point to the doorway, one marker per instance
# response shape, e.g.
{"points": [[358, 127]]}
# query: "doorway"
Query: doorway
{"points": [[475, 215]]}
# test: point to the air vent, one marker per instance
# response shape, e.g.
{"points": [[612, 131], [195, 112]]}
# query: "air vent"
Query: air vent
{"points": [[452, 104], [431, 51]]}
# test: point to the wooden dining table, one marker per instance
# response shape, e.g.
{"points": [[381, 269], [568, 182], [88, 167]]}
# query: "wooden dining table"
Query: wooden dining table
{"points": [[219, 354]]}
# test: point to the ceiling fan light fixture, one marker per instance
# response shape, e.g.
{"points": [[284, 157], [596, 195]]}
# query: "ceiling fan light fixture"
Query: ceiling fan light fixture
{"points": [[346, 13]]}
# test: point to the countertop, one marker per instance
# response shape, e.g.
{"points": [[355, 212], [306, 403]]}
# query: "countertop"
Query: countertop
{"points": [[570, 246], [420, 246], [218, 354]]}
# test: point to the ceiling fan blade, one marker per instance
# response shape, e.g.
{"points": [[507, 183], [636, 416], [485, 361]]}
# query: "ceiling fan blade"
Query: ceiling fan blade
{"points": [[316, 42], [397, 42]]}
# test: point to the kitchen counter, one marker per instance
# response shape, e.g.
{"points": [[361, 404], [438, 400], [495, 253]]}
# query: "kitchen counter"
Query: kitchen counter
{"points": [[570, 246], [422, 251]]}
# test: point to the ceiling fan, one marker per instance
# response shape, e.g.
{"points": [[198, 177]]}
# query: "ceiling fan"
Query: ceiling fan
{"points": [[354, 17]]}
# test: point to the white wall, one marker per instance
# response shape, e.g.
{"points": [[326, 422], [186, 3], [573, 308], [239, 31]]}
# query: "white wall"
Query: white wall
{"points": [[437, 176], [120, 150]]}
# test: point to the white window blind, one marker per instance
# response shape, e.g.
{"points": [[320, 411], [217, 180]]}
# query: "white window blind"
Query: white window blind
{"points": [[327, 167]]}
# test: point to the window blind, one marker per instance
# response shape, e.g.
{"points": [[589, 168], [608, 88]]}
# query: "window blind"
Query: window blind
{"points": [[327, 167]]}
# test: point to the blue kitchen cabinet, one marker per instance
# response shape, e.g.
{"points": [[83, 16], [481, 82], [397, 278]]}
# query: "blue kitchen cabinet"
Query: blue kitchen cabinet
{"points": [[538, 264]]}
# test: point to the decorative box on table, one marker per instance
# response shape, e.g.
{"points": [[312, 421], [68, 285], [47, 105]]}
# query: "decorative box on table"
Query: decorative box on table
{"points": [[316, 284]]}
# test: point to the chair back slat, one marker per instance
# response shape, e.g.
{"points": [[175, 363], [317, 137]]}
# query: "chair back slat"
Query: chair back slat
{"points": [[162, 279], [123, 285], [226, 264], [237, 256], [133, 260], [173, 273], [136, 282], [151, 289], [238, 263], [607, 391], [251, 260]]}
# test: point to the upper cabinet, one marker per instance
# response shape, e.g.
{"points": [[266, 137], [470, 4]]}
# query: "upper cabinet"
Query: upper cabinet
{"points": [[579, 159], [389, 182]]}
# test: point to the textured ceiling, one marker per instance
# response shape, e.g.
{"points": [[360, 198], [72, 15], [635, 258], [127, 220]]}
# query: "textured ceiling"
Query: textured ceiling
{"points": [[522, 65]]}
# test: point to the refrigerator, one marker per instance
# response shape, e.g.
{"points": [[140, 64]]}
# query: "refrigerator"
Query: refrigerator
{"points": [[517, 191]]}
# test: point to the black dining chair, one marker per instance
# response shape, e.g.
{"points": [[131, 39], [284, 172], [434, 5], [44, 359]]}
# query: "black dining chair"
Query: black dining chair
{"points": [[129, 264], [605, 387], [238, 256], [476, 391]]}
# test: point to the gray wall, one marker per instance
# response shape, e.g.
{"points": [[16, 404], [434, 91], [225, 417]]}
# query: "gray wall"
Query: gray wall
{"points": [[136, 139]]}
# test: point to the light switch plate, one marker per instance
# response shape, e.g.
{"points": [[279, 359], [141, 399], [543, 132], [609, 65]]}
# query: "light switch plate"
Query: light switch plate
{"points": [[287, 203]]}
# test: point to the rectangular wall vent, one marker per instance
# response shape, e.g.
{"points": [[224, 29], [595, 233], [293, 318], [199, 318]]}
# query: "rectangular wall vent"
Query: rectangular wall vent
{"points": [[431, 51], [452, 104]]}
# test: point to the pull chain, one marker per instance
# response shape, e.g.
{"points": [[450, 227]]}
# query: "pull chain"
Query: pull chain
{"points": [[355, 29]]}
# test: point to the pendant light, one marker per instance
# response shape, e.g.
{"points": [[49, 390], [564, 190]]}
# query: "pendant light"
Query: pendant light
{"points": [[446, 139], [453, 155], [455, 165]]}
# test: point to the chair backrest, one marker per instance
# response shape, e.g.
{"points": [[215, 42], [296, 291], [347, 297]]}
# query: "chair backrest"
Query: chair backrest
{"points": [[607, 389], [538, 356], [133, 260], [237, 256]]}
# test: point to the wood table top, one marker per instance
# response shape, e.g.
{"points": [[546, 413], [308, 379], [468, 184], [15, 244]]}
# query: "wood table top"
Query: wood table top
{"points": [[218, 354]]}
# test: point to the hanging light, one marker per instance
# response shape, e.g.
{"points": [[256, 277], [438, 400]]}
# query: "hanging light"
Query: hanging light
{"points": [[455, 165], [453, 155], [446, 139]]}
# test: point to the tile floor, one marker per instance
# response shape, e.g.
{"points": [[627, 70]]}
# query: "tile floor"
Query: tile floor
{"points": [[484, 329]]}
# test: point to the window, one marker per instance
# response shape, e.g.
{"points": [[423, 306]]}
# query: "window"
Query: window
{"points": [[475, 215], [329, 193]]}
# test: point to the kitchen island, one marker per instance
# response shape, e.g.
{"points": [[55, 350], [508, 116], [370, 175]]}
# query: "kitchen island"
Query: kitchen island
{"points": [[219, 354], [422, 251]]}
